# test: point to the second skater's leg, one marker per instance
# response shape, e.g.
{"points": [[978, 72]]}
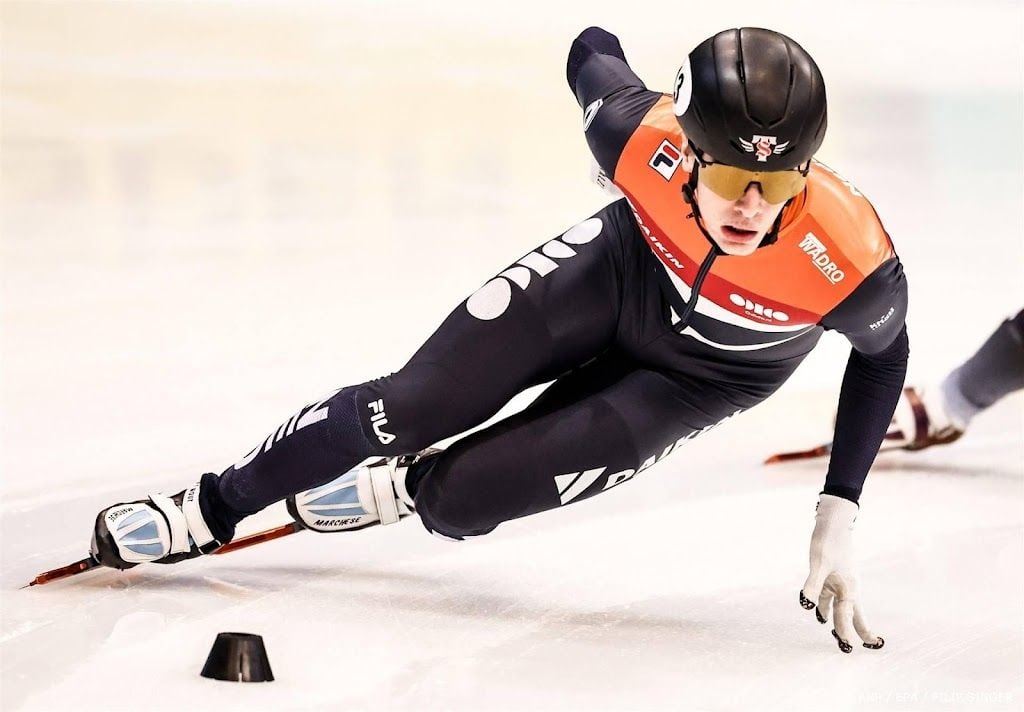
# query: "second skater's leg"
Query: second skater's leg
{"points": [[994, 371]]}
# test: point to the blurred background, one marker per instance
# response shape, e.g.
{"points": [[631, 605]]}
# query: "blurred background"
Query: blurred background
{"points": [[215, 212]]}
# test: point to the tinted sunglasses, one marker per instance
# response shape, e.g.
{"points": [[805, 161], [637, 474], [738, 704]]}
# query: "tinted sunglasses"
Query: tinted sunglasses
{"points": [[731, 183]]}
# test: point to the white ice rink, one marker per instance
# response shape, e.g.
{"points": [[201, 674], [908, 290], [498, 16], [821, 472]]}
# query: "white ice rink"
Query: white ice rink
{"points": [[215, 212]]}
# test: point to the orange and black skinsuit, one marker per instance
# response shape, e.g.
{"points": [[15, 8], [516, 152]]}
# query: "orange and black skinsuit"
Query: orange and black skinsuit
{"points": [[650, 335]]}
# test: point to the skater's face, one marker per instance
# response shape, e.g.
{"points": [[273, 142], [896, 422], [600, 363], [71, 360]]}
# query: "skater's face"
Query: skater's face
{"points": [[737, 226]]}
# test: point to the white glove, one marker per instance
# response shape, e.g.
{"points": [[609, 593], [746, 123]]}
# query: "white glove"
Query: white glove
{"points": [[831, 581]]}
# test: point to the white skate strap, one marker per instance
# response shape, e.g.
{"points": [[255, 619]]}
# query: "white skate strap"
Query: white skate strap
{"points": [[185, 521], [405, 500], [384, 492], [175, 521], [201, 533]]}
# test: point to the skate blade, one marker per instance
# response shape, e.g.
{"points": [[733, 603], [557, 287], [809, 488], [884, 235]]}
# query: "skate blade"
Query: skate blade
{"points": [[63, 572]]}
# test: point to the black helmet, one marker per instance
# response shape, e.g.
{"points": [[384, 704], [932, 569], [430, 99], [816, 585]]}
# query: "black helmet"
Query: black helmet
{"points": [[752, 98]]}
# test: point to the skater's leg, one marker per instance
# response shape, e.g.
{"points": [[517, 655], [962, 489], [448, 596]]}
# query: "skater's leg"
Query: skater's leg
{"points": [[551, 311], [595, 430], [555, 308]]}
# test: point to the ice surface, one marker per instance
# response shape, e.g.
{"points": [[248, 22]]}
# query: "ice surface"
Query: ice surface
{"points": [[679, 591], [214, 213]]}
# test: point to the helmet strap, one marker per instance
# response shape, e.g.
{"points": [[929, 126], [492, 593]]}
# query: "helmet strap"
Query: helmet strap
{"points": [[772, 235], [690, 196]]}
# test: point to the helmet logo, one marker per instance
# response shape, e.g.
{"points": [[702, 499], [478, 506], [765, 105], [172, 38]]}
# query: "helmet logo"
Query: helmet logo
{"points": [[682, 89], [764, 145]]}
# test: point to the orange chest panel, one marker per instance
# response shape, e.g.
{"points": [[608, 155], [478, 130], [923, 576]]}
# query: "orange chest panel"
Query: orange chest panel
{"points": [[829, 242]]}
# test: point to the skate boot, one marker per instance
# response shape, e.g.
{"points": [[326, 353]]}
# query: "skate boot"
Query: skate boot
{"points": [[373, 493], [921, 420], [159, 529]]}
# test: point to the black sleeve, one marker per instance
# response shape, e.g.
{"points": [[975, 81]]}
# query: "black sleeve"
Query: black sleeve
{"points": [[873, 319], [612, 96]]}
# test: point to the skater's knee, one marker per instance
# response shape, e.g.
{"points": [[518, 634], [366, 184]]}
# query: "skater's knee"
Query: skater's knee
{"points": [[451, 525], [449, 512]]}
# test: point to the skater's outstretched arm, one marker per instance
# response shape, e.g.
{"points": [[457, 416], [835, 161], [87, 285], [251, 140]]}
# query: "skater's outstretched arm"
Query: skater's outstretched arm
{"points": [[872, 318]]}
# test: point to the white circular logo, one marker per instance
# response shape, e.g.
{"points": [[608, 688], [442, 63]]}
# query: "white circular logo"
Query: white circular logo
{"points": [[494, 298], [491, 300], [683, 88], [584, 232]]}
